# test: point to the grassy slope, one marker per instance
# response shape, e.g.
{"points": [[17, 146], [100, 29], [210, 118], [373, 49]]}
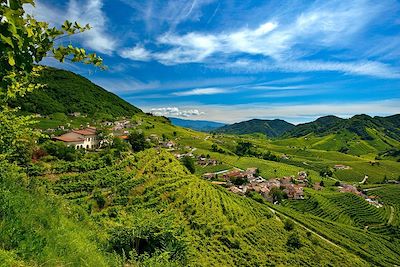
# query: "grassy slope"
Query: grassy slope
{"points": [[38, 230]]}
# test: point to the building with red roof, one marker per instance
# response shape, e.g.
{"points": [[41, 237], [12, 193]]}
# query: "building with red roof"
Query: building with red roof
{"points": [[83, 138]]}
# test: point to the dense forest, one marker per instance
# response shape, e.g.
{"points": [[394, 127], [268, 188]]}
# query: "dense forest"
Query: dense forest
{"points": [[67, 92]]}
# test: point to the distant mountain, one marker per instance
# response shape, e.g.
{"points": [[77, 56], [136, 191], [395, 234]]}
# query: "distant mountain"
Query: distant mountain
{"points": [[358, 124], [203, 126], [67, 92], [271, 128]]}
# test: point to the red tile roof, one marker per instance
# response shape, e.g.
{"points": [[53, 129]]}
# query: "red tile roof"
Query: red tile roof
{"points": [[87, 131]]}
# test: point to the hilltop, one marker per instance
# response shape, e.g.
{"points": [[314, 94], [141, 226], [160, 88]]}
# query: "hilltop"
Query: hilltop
{"points": [[67, 92], [271, 128], [358, 124]]}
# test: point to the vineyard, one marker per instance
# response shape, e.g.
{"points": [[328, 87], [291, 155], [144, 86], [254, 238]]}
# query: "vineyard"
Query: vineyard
{"points": [[150, 195], [342, 208]]}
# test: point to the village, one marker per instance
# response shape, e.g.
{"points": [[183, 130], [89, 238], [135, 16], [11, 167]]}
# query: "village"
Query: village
{"points": [[242, 182]]}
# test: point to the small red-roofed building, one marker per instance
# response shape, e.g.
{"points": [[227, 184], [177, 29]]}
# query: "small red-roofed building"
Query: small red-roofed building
{"points": [[84, 138]]}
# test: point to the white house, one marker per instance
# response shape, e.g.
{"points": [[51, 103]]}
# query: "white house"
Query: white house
{"points": [[85, 138]]}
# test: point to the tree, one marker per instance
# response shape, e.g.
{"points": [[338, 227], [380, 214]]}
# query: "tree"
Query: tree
{"points": [[288, 225], [294, 241], [138, 141], [25, 42], [277, 194], [326, 172], [244, 148], [188, 162]]}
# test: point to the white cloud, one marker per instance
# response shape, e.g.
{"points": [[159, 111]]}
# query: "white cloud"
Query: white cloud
{"points": [[281, 42], [138, 53], [202, 91], [175, 112], [89, 12], [366, 68]]}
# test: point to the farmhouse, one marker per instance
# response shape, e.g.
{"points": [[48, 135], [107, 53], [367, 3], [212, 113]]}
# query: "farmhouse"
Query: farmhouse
{"points": [[85, 138]]}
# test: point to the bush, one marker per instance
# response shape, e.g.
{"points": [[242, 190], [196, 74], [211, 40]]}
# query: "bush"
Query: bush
{"points": [[138, 141], [61, 151], [289, 225], [188, 162], [294, 241]]}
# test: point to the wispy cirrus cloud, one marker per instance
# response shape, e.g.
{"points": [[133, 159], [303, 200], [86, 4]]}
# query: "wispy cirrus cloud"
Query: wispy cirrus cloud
{"points": [[166, 15], [203, 91], [283, 45], [365, 68]]}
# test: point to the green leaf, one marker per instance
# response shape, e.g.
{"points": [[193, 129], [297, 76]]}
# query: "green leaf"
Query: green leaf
{"points": [[7, 40], [11, 60]]}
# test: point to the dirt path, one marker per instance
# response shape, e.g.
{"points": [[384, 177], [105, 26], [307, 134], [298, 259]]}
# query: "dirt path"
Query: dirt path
{"points": [[373, 188], [391, 215], [306, 228]]}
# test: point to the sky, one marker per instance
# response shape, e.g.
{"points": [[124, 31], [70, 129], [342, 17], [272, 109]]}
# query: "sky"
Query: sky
{"points": [[233, 60]]}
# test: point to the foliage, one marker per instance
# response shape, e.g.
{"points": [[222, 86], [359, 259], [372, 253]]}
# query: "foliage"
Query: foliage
{"points": [[188, 162], [271, 128], [42, 229], [289, 225], [26, 41], [277, 194], [244, 148], [66, 92], [294, 241], [61, 151], [16, 136], [326, 172], [138, 141]]}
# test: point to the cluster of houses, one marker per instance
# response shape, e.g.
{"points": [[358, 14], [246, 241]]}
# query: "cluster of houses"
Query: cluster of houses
{"points": [[292, 187]]}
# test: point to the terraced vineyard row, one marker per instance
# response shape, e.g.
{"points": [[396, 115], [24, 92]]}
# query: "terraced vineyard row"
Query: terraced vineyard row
{"points": [[343, 208]]}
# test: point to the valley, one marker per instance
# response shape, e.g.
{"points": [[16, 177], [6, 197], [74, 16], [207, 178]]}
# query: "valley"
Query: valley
{"points": [[123, 191]]}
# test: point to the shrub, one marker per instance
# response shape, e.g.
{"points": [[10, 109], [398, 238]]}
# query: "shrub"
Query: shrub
{"points": [[289, 225], [188, 162], [138, 141], [294, 241]]}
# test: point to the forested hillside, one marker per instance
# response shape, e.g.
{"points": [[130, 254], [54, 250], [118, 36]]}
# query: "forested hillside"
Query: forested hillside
{"points": [[66, 92], [359, 125], [271, 128]]}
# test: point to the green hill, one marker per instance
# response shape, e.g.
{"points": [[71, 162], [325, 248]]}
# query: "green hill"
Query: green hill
{"points": [[66, 92], [271, 128], [358, 124]]}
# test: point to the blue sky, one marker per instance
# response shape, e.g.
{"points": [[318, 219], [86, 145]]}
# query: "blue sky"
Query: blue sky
{"points": [[228, 61]]}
